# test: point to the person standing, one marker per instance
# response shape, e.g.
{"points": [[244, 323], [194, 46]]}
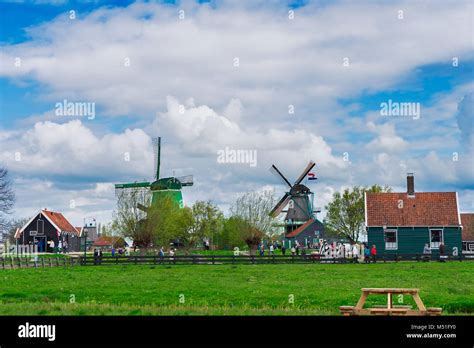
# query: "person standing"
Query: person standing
{"points": [[373, 253], [366, 253], [442, 251], [426, 253], [426, 249], [271, 249], [355, 252], [283, 249], [113, 251]]}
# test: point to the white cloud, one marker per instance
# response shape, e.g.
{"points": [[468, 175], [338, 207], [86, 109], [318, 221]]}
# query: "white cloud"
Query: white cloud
{"points": [[190, 61]]}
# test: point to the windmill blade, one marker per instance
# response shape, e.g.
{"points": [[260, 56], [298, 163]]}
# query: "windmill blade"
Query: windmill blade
{"points": [[310, 166], [186, 180], [275, 171], [280, 205]]}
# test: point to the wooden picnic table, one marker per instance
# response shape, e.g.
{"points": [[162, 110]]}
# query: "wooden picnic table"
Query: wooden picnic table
{"points": [[390, 308]]}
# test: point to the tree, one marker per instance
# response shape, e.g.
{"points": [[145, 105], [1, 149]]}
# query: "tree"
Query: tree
{"points": [[12, 227], [7, 198], [128, 218], [252, 210], [230, 235], [345, 213], [181, 223], [161, 225], [207, 221]]}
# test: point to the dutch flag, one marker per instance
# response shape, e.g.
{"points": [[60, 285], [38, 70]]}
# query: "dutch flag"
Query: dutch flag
{"points": [[312, 176]]}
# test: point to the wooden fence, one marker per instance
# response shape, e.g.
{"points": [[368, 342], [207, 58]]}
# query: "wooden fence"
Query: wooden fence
{"points": [[42, 262], [11, 262], [257, 259]]}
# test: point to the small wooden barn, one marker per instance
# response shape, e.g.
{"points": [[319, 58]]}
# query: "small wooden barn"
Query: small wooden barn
{"points": [[403, 222], [49, 231]]}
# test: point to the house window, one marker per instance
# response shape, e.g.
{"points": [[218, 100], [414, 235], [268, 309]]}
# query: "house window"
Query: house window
{"points": [[391, 240], [40, 226], [436, 238]]}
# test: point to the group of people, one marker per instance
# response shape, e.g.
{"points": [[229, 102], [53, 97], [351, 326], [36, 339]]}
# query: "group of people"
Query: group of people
{"points": [[162, 253], [370, 253], [120, 251], [296, 249]]}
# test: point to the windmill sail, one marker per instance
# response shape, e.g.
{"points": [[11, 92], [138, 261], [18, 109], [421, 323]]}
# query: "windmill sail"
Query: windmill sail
{"points": [[186, 180], [275, 171], [280, 205], [305, 172]]}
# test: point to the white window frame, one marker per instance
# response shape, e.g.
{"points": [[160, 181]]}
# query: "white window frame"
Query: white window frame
{"points": [[442, 237], [392, 246]]}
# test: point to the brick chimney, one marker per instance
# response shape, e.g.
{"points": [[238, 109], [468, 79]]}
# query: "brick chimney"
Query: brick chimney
{"points": [[410, 185]]}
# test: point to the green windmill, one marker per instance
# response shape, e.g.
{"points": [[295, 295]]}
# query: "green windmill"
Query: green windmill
{"points": [[161, 187]]}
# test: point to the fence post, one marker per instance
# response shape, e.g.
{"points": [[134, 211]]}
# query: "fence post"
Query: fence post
{"points": [[3, 262], [19, 262], [64, 262], [57, 261], [11, 259], [212, 259], [36, 262], [50, 262], [233, 259], [42, 261]]}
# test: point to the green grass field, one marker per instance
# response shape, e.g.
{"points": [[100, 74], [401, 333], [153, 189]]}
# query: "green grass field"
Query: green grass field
{"points": [[318, 289]]}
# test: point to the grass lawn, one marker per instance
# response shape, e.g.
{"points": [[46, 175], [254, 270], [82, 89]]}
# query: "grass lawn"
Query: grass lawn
{"points": [[318, 289]]}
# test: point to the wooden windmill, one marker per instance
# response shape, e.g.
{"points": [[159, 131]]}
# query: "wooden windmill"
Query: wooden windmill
{"points": [[161, 187], [300, 215]]}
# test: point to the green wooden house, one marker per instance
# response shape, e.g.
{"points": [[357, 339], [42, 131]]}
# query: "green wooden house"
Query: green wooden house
{"points": [[404, 222]]}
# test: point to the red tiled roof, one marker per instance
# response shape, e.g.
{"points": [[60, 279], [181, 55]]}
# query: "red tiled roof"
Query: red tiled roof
{"points": [[60, 221], [467, 222], [300, 229], [103, 241], [425, 209]]}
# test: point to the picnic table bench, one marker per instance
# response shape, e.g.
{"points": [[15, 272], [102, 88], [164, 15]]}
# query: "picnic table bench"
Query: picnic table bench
{"points": [[390, 308]]}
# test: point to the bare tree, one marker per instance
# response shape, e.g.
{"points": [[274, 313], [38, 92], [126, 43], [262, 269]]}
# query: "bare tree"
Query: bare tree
{"points": [[7, 198], [252, 212], [130, 216]]}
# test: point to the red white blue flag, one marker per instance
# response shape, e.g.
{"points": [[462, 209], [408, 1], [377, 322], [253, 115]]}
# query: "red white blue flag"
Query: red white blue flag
{"points": [[312, 176]]}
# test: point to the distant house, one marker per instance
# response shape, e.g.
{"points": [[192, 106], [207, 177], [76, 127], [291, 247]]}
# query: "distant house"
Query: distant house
{"points": [[403, 222], [467, 222], [47, 229]]}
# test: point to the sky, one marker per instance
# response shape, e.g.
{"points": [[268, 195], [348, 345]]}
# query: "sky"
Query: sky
{"points": [[288, 81]]}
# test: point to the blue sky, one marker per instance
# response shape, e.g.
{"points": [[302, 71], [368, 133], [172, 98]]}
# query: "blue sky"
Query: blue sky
{"points": [[182, 83]]}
